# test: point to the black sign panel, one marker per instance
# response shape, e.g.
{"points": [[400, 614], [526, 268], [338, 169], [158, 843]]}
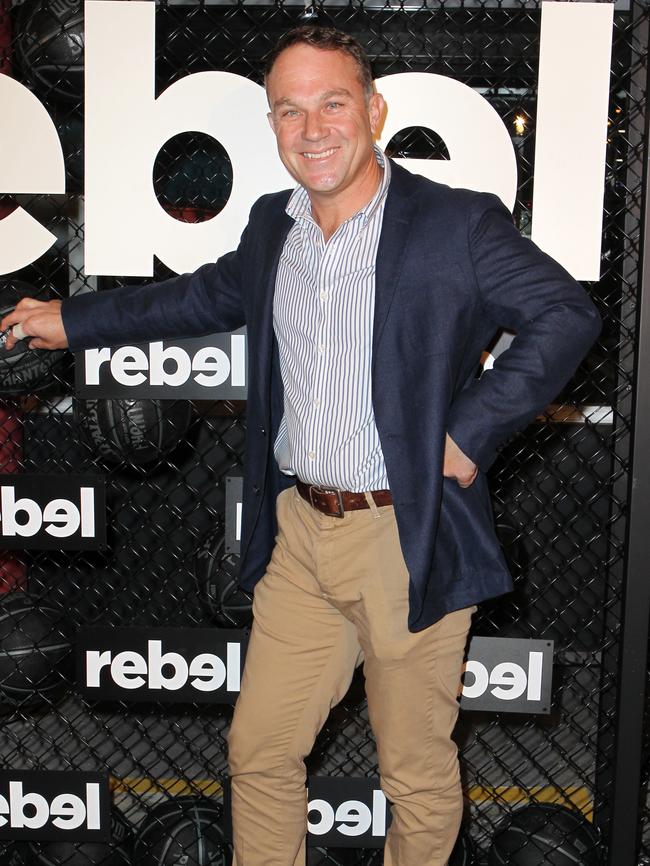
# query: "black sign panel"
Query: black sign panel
{"points": [[46, 805], [342, 812], [508, 675], [234, 494], [346, 813], [167, 665], [202, 368], [52, 512]]}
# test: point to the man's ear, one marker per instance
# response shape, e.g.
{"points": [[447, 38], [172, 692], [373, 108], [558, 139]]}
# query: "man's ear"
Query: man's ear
{"points": [[376, 111]]}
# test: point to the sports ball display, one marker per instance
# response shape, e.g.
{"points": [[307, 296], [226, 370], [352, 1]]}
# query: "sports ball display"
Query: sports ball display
{"points": [[216, 576], [133, 431], [117, 852], [185, 830], [35, 650], [49, 46], [24, 370], [545, 835], [464, 854]]}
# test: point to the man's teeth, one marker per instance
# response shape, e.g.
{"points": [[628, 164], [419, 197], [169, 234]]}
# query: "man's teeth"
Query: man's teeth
{"points": [[322, 155]]}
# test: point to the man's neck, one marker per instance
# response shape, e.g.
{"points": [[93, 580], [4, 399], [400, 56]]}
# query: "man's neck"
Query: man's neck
{"points": [[329, 212]]}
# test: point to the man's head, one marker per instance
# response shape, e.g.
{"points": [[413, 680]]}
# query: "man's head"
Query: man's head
{"points": [[324, 114]]}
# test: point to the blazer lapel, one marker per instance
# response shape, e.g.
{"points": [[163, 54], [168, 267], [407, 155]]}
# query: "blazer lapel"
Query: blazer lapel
{"points": [[393, 242], [275, 232]]}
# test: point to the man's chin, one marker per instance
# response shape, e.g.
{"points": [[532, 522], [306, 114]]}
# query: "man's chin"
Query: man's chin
{"points": [[320, 183]]}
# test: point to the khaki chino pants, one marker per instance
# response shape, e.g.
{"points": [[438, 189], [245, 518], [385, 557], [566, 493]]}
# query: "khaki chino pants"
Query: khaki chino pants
{"points": [[336, 594]]}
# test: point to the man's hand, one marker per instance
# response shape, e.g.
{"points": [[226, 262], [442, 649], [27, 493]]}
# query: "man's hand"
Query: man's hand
{"points": [[457, 465], [41, 322]]}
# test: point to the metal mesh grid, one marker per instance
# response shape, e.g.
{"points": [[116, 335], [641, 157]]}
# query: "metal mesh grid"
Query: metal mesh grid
{"points": [[559, 489]]}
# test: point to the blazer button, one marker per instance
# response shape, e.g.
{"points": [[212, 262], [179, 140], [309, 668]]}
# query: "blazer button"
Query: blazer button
{"points": [[263, 431], [256, 488]]}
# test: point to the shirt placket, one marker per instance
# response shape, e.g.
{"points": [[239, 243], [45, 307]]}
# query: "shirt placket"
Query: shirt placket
{"points": [[324, 360]]}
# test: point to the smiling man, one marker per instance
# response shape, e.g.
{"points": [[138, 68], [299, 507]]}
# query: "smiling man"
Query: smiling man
{"points": [[325, 116], [369, 294]]}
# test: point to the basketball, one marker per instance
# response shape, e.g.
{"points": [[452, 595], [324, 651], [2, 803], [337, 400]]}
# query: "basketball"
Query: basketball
{"points": [[24, 370], [216, 577], [70, 853], [35, 650], [545, 835], [192, 176], [50, 48], [133, 431], [183, 830]]}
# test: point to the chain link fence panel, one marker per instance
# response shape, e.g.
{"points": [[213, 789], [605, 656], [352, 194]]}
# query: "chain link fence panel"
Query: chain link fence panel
{"points": [[559, 489]]}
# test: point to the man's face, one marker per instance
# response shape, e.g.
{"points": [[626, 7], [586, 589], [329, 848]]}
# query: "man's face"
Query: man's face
{"points": [[323, 122]]}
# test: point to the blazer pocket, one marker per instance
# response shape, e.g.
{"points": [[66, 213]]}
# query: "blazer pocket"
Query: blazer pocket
{"points": [[466, 528]]}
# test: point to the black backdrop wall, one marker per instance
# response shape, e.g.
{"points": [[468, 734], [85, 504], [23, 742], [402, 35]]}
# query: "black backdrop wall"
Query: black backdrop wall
{"points": [[560, 490]]}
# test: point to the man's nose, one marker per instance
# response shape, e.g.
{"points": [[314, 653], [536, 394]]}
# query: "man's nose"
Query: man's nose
{"points": [[314, 128]]}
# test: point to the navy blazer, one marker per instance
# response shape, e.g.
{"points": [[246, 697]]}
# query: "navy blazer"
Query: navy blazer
{"points": [[451, 270]]}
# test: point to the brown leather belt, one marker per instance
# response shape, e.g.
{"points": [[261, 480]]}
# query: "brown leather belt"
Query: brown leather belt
{"points": [[335, 502]]}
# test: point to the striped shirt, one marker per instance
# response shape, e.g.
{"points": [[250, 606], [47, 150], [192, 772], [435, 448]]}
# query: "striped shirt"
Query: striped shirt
{"points": [[323, 320]]}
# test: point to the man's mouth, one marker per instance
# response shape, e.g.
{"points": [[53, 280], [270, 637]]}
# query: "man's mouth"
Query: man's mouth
{"points": [[323, 154]]}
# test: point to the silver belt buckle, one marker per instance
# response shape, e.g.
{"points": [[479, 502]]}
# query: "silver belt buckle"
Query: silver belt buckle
{"points": [[327, 492]]}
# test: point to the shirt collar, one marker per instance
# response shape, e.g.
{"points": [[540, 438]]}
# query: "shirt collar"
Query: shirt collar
{"points": [[299, 206]]}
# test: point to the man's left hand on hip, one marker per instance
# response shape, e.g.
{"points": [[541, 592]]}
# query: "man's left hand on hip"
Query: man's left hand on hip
{"points": [[458, 465]]}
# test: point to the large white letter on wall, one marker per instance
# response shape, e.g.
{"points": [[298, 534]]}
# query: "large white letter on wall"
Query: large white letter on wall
{"points": [[126, 127], [480, 149], [31, 161], [576, 46]]}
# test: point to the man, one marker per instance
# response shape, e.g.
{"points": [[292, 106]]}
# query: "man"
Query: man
{"points": [[369, 294]]}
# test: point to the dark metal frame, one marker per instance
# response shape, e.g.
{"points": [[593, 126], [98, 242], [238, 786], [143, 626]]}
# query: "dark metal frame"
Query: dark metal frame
{"points": [[626, 804]]}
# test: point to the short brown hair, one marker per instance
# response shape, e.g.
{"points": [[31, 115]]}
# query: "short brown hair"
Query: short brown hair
{"points": [[327, 39]]}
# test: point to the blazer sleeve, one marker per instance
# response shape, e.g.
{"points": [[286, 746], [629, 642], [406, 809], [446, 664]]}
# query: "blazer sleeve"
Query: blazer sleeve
{"points": [[526, 291], [190, 305]]}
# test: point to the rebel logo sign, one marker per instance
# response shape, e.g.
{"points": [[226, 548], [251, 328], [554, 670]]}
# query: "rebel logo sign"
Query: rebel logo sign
{"points": [[52, 512], [508, 675], [205, 665], [201, 368], [351, 813], [54, 805], [567, 194], [341, 812], [168, 665]]}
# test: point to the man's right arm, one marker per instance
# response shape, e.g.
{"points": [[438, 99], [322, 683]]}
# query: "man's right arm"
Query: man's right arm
{"points": [[206, 301]]}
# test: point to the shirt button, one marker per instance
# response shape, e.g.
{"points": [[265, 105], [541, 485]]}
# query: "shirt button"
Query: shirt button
{"points": [[316, 401], [323, 296], [321, 349], [312, 455]]}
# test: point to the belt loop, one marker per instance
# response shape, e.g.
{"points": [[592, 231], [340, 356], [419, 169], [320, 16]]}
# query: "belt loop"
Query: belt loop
{"points": [[372, 505]]}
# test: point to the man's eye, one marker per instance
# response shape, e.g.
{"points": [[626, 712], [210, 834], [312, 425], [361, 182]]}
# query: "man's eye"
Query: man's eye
{"points": [[290, 112], [334, 105]]}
